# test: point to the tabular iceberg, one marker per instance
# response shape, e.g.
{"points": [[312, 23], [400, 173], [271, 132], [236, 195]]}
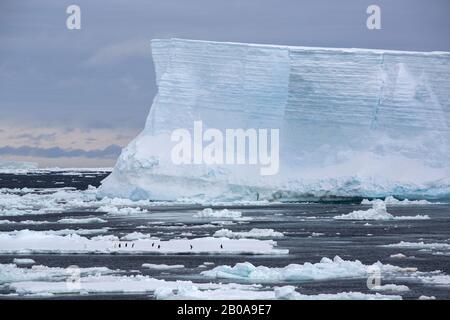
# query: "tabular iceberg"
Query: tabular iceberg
{"points": [[11, 166], [352, 122]]}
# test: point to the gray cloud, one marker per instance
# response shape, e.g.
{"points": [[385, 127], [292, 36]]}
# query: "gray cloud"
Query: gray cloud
{"points": [[118, 52], [102, 76], [37, 139]]}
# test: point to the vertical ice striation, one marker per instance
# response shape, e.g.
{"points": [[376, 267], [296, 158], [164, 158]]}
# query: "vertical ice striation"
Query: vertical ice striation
{"points": [[353, 122]]}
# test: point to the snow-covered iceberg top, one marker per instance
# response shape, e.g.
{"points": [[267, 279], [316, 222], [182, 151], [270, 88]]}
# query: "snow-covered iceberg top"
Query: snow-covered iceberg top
{"points": [[352, 122]]}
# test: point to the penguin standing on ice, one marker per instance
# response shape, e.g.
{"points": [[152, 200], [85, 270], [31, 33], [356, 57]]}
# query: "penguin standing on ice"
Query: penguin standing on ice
{"points": [[191, 246], [119, 245], [126, 244], [221, 246], [159, 246], [132, 245], [153, 244]]}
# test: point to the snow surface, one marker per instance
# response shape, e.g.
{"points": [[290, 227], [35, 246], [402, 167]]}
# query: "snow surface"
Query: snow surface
{"points": [[437, 280], [11, 273], [284, 293], [377, 212], [24, 222], [60, 232], [419, 245], [326, 269], [26, 241], [117, 210], [81, 220], [23, 261], [253, 233], [390, 200], [398, 256], [390, 287], [225, 213], [162, 266], [135, 236], [43, 280], [427, 297], [353, 122]]}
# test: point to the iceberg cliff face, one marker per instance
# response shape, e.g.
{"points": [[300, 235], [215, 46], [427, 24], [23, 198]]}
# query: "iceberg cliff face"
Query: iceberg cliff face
{"points": [[352, 122]]}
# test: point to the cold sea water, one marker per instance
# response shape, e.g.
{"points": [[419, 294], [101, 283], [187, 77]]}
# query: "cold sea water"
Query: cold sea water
{"points": [[310, 232]]}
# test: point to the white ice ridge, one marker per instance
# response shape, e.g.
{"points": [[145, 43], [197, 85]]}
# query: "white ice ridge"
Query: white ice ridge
{"points": [[377, 212], [49, 281], [279, 293], [81, 220], [27, 241], [225, 213], [393, 201], [326, 269], [352, 122], [162, 266], [253, 233]]}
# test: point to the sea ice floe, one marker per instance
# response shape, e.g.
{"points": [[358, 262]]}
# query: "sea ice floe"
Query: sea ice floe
{"points": [[81, 220], [436, 280], [11, 273], [61, 232], [23, 261], [39, 280], [324, 270], [120, 210], [317, 234], [398, 256], [27, 201], [427, 297], [377, 212], [328, 269], [419, 245], [135, 236], [224, 213], [282, 293], [253, 233], [34, 201], [390, 287], [390, 200], [24, 222], [26, 241], [162, 266]]}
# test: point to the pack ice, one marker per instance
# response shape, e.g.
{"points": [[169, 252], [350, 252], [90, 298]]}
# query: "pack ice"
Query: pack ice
{"points": [[352, 122]]}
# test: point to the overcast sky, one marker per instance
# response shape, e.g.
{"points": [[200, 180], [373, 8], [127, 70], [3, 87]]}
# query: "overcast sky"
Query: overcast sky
{"points": [[73, 97]]}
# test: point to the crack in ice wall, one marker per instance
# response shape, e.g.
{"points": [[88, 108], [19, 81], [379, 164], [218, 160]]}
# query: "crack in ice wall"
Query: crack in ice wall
{"points": [[353, 122]]}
